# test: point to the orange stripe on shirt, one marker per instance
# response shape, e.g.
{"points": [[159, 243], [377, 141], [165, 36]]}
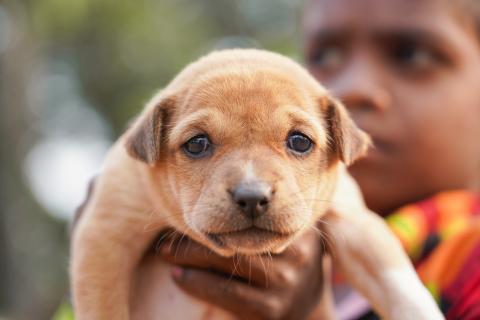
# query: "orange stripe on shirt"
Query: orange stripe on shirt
{"points": [[444, 263]]}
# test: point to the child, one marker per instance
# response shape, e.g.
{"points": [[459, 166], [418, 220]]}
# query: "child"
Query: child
{"points": [[409, 72]]}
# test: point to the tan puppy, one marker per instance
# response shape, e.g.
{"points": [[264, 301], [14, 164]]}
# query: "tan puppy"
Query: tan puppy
{"points": [[242, 152]]}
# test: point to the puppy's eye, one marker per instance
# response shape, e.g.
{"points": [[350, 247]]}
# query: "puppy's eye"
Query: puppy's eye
{"points": [[197, 147], [299, 143]]}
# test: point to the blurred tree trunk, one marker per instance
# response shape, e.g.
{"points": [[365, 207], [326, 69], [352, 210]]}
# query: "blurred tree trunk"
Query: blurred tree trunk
{"points": [[4, 254], [32, 245]]}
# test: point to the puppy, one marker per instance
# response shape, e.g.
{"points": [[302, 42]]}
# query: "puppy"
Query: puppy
{"points": [[243, 151]]}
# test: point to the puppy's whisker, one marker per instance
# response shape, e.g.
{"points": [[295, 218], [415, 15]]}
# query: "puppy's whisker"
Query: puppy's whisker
{"points": [[154, 224], [294, 204], [236, 263], [316, 229], [314, 200], [188, 247], [148, 226], [249, 270], [327, 243], [301, 191], [171, 243], [160, 240], [178, 245], [260, 256], [269, 254]]}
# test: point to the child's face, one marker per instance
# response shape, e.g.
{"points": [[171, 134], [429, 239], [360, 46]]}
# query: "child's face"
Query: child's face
{"points": [[409, 72]]}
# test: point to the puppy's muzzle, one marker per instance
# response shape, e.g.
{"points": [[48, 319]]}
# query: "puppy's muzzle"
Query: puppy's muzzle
{"points": [[252, 198]]}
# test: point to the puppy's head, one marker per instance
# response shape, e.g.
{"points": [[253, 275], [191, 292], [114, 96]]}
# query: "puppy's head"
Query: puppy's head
{"points": [[245, 144]]}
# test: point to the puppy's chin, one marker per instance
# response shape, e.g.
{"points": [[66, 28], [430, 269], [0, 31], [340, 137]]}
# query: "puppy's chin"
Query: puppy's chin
{"points": [[250, 241]]}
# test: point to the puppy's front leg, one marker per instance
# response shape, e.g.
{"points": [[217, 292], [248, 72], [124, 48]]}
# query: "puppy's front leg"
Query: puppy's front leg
{"points": [[107, 246], [373, 260]]}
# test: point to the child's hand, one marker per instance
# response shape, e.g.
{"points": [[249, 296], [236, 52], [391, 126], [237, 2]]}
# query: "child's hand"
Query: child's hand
{"points": [[284, 286]]}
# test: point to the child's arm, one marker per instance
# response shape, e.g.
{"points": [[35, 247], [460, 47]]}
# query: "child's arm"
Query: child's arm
{"points": [[372, 259]]}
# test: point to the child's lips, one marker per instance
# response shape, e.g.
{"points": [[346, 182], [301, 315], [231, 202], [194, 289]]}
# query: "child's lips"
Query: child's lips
{"points": [[381, 144]]}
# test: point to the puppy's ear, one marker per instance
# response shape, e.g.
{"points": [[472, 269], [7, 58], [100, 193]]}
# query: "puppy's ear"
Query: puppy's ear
{"points": [[347, 141], [146, 139]]}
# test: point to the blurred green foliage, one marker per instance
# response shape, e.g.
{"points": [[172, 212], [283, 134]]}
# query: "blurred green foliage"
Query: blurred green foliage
{"points": [[125, 50], [64, 312]]}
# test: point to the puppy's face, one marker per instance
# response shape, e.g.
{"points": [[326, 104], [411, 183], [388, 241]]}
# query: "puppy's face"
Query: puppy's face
{"points": [[249, 158]]}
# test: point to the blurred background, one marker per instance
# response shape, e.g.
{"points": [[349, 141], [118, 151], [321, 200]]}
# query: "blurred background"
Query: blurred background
{"points": [[72, 74]]}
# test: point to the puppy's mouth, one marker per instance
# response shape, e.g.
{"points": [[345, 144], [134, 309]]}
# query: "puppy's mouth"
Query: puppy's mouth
{"points": [[250, 240]]}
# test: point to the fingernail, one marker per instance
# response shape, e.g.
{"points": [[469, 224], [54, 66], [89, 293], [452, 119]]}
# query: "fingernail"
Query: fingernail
{"points": [[177, 272]]}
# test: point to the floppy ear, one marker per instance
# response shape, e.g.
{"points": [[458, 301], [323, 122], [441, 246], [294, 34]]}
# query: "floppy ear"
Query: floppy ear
{"points": [[347, 141], [146, 139]]}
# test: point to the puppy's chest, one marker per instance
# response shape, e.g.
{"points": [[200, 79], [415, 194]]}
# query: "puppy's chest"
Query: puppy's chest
{"points": [[162, 299]]}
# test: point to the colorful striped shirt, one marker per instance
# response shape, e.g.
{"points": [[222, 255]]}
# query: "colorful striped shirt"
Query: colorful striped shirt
{"points": [[442, 237]]}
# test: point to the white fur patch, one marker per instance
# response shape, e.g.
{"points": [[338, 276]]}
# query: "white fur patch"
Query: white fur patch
{"points": [[249, 171]]}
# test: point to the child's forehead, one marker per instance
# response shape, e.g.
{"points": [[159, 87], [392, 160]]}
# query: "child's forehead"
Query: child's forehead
{"points": [[435, 15]]}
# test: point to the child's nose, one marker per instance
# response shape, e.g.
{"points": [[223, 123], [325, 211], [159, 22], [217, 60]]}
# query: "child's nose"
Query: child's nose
{"points": [[361, 84]]}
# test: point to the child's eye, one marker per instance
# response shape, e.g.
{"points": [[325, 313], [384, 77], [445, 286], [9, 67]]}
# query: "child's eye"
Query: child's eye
{"points": [[413, 57], [328, 57]]}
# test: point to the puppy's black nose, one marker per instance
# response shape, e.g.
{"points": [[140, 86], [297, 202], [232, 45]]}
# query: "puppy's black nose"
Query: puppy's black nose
{"points": [[252, 198]]}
